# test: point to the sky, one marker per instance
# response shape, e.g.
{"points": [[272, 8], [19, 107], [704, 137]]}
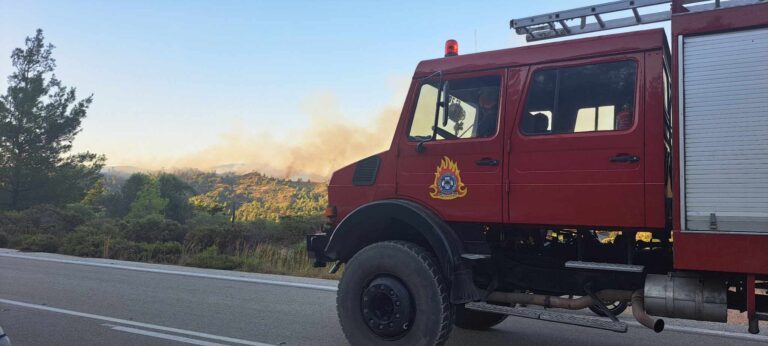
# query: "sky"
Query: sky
{"points": [[174, 81]]}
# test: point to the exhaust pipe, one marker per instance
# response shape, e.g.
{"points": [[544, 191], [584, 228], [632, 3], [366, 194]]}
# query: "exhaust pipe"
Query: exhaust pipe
{"points": [[636, 297], [559, 302], [638, 310]]}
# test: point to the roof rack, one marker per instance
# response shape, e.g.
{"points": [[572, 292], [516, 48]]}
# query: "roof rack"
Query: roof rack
{"points": [[555, 24]]}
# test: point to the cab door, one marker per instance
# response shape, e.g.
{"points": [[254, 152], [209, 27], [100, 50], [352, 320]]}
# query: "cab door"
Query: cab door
{"points": [[577, 153], [450, 153]]}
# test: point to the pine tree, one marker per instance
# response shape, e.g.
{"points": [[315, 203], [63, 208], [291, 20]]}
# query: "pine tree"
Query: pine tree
{"points": [[39, 119]]}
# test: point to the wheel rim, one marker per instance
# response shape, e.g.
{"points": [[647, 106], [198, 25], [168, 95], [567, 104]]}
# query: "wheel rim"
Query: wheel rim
{"points": [[387, 307], [614, 307]]}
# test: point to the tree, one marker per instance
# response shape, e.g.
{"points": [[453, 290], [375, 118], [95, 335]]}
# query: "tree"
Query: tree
{"points": [[148, 201], [39, 119], [130, 191], [95, 194], [177, 192]]}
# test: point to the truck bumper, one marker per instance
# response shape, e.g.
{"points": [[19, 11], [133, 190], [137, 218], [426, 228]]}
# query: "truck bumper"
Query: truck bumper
{"points": [[316, 244]]}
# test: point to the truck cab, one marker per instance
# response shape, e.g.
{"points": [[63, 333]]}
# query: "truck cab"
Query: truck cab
{"points": [[524, 175]]}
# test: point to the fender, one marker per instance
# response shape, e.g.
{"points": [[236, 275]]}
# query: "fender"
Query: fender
{"points": [[366, 225]]}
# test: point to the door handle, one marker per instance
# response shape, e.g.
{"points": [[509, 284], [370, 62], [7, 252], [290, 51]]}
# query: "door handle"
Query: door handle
{"points": [[487, 162], [625, 158]]}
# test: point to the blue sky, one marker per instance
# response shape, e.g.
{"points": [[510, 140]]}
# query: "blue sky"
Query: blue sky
{"points": [[171, 78]]}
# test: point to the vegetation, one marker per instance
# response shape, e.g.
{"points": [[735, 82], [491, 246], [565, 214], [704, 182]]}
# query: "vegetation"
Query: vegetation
{"points": [[204, 240], [154, 218], [255, 196], [52, 200]]}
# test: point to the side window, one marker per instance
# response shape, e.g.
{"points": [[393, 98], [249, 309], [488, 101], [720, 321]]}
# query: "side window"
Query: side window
{"points": [[466, 108], [424, 115], [599, 97]]}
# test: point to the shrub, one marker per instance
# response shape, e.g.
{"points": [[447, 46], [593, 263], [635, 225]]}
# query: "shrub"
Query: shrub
{"points": [[13, 223], [294, 228], [205, 219], [51, 220], [154, 228], [211, 258], [4, 241], [205, 236], [83, 244], [168, 252], [231, 239], [121, 249], [44, 219], [91, 239], [39, 243], [78, 213]]}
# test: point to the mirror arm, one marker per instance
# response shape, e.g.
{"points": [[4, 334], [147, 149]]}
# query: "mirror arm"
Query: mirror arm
{"points": [[445, 104], [420, 148]]}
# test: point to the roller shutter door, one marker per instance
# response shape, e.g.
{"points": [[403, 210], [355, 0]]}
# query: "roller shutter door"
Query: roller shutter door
{"points": [[725, 138]]}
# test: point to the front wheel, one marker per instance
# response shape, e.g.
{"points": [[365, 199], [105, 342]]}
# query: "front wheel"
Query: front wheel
{"points": [[393, 293]]}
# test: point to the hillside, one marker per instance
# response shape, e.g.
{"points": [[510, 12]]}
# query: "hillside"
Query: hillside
{"points": [[255, 195]]}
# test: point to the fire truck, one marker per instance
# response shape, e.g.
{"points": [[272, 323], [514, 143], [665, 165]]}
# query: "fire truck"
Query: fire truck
{"points": [[582, 173]]}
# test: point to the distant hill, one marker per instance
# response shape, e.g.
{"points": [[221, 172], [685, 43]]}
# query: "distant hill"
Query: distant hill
{"points": [[255, 195], [121, 171]]}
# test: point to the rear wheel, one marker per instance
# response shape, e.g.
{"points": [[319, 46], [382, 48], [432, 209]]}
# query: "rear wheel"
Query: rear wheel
{"points": [[393, 293], [615, 307], [477, 320]]}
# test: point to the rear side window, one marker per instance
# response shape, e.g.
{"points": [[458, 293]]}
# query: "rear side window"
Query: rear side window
{"points": [[456, 109], [599, 97]]}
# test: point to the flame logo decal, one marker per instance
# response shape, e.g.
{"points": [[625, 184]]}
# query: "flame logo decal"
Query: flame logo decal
{"points": [[447, 183]]}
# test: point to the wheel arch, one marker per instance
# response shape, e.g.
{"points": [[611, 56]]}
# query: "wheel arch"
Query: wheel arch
{"points": [[396, 219]]}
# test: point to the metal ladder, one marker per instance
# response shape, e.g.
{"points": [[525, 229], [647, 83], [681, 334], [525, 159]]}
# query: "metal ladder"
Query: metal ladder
{"points": [[556, 24]]}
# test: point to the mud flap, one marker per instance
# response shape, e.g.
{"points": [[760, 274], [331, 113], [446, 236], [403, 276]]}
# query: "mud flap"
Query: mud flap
{"points": [[463, 288]]}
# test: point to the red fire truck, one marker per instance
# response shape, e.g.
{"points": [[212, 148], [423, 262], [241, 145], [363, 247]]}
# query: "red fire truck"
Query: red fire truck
{"points": [[525, 178]]}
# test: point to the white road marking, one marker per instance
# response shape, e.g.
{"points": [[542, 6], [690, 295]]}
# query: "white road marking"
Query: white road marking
{"points": [[175, 272], [182, 339], [133, 323]]}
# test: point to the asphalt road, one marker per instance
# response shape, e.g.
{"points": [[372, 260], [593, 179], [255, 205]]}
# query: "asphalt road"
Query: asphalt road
{"points": [[60, 300]]}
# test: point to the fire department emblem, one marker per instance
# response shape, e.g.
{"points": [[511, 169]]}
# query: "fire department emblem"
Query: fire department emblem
{"points": [[447, 183]]}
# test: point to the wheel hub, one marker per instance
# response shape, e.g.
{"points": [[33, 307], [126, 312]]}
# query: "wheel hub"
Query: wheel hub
{"points": [[387, 307]]}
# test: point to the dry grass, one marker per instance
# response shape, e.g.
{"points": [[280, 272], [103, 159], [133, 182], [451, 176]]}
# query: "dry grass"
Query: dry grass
{"points": [[262, 258], [272, 259]]}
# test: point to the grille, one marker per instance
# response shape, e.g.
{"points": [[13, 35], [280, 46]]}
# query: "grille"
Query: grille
{"points": [[365, 171]]}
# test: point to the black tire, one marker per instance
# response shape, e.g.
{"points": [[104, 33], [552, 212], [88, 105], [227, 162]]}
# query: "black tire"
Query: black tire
{"points": [[423, 315], [617, 308], [476, 320]]}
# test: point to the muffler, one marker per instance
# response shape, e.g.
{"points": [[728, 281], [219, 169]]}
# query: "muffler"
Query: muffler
{"points": [[686, 295]]}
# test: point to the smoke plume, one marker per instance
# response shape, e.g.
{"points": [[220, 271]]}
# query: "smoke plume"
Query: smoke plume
{"points": [[328, 141]]}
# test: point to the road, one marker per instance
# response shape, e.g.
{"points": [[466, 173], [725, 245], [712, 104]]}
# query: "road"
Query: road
{"points": [[48, 299]]}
